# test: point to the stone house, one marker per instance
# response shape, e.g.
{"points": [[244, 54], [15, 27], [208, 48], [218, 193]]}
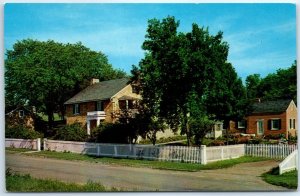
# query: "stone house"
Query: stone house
{"points": [[102, 101], [21, 115]]}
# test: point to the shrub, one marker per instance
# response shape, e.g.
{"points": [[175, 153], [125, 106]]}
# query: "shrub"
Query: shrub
{"points": [[273, 136], [21, 132], [217, 143], [255, 140], [72, 132], [112, 133]]}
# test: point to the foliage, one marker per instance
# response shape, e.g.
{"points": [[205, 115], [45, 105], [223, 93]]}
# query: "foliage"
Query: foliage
{"points": [[279, 85], [179, 68], [25, 183], [288, 179], [21, 132], [252, 85], [72, 132], [199, 127], [112, 133], [146, 125], [45, 74], [273, 136], [164, 140]]}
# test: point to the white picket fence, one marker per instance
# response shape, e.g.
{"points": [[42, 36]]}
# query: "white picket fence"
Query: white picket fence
{"points": [[289, 163], [217, 153], [280, 151], [201, 154], [162, 153]]}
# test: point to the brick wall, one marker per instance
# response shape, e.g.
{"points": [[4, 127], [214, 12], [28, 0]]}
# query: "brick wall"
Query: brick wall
{"points": [[252, 123]]}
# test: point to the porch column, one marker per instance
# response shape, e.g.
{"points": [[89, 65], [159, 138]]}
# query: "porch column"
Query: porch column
{"points": [[98, 122], [88, 126]]}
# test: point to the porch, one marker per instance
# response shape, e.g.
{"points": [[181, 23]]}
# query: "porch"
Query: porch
{"points": [[93, 119]]}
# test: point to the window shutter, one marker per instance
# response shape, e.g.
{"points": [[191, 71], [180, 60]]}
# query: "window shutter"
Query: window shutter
{"points": [[73, 108], [269, 124], [78, 108], [279, 122]]}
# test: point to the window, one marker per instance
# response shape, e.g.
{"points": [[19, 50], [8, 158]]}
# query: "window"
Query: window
{"points": [[99, 106], [275, 124], [21, 113], [241, 124], [76, 109], [294, 123]]}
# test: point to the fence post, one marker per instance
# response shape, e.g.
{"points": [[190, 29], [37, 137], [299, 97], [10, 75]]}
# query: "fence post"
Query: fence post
{"points": [[203, 154], [116, 152], [98, 150], [38, 144], [222, 153], [45, 142]]}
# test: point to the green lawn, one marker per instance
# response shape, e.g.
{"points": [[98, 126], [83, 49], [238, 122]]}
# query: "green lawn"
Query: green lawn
{"points": [[147, 163], [17, 150], [45, 117], [288, 179], [25, 183]]}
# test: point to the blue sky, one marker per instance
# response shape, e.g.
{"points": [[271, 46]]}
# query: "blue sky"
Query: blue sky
{"points": [[262, 37]]}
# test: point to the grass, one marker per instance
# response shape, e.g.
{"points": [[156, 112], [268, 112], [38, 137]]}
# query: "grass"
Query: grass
{"points": [[45, 117], [25, 183], [288, 179], [17, 150], [191, 167]]}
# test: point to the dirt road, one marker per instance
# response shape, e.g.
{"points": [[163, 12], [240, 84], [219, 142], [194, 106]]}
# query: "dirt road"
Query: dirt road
{"points": [[242, 177]]}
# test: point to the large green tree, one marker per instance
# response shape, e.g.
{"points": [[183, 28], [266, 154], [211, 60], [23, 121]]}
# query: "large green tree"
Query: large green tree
{"points": [[45, 74], [252, 86], [179, 68], [279, 85]]}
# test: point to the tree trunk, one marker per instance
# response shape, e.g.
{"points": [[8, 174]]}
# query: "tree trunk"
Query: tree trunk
{"points": [[50, 111], [226, 122], [62, 111]]}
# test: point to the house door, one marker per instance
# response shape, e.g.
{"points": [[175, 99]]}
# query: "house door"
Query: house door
{"points": [[260, 127]]}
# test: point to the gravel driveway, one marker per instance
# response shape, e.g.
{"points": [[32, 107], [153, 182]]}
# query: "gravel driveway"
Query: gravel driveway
{"points": [[242, 177]]}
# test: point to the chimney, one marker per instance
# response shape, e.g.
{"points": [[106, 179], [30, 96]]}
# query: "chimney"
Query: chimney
{"points": [[94, 81]]}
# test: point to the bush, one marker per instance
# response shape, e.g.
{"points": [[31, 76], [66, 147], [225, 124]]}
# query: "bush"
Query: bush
{"points": [[21, 132], [72, 132], [218, 143], [256, 140], [112, 133], [273, 136]]}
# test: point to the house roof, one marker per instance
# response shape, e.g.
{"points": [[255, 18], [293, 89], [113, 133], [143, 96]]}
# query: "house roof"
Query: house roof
{"points": [[20, 107], [277, 106], [99, 91]]}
